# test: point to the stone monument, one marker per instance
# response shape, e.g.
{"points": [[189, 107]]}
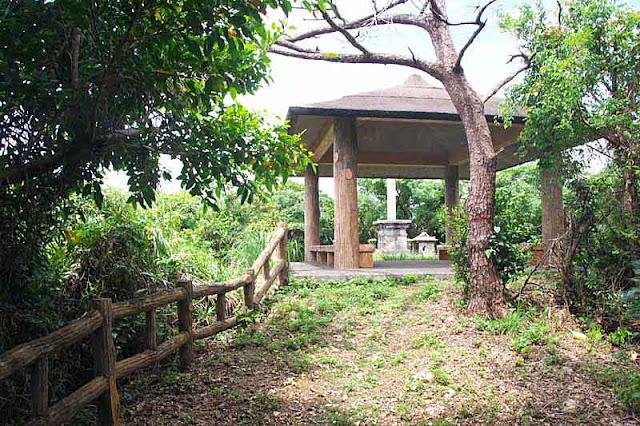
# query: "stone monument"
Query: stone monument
{"points": [[392, 233]]}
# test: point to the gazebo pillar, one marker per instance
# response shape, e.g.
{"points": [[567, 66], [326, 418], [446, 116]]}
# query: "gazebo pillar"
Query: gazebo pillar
{"points": [[311, 212], [552, 205], [345, 160], [451, 198]]}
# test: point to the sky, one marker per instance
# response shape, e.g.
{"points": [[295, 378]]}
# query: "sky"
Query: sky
{"points": [[298, 82]]}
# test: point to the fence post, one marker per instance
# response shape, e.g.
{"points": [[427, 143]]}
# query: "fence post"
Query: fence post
{"points": [[221, 307], [151, 336], [265, 269], [40, 389], [282, 254], [104, 355], [250, 290], [185, 323]]}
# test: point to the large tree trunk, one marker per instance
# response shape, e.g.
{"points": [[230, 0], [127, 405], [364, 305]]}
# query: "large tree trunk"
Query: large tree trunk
{"points": [[486, 291]]}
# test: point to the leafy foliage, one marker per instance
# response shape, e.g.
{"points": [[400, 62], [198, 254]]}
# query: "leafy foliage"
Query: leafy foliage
{"points": [[89, 86]]}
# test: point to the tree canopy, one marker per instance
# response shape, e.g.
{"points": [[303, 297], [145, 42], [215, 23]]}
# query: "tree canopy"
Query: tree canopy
{"points": [[583, 81], [89, 86]]}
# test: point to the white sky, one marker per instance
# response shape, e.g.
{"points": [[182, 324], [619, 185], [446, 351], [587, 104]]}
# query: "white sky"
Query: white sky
{"points": [[300, 82]]}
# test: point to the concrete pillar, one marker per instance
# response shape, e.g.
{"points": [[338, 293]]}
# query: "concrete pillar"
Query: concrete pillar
{"points": [[345, 159], [552, 205], [391, 199], [311, 212], [451, 198]]}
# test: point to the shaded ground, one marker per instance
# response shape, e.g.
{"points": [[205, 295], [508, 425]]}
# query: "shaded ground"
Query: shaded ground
{"points": [[391, 353]]}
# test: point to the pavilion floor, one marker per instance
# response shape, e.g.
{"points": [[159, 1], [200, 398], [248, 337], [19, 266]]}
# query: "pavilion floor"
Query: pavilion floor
{"points": [[438, 268]]}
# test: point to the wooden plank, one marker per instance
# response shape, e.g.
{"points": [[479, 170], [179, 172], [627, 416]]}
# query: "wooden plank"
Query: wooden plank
{"points": [[325, 142], [146, 358], [104, 355], [282, 254], [215, 328], [156, 300], [269, 248], [277, 267], [397, 158], [220, 288], [66, 409], [185, 323], [25, 354]]}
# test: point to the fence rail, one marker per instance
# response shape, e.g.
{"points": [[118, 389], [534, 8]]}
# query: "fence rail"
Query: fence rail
{"points": [[98, 324]]}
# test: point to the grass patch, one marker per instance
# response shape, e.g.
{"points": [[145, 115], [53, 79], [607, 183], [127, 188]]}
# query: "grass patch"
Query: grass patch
{"points": [[429, 291], [426, 341], [402, 257], [524, 326]]}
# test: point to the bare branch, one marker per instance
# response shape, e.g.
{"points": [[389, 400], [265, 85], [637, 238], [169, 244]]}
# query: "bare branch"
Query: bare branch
{"points": [[373, 18], [350, 38], [481, 24], [431, 68], [506, 80]]}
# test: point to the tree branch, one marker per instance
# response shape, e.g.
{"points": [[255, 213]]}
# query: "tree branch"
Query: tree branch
{"points": [[350, 38], [480, 26], [372, 19], [510, 77], [372, 58]]}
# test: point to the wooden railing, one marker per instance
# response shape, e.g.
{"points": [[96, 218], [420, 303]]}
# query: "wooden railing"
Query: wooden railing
{"points": [[98, 324]]}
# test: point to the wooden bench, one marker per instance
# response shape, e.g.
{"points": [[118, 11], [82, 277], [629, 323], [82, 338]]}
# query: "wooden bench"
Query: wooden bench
{"points": [[325, 254]]}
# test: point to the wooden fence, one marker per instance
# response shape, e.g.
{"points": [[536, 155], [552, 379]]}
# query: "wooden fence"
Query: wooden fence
{"points": [[99, 322]]}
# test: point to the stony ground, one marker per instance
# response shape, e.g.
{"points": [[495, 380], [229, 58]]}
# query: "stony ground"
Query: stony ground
{"points": [[393, 353]]}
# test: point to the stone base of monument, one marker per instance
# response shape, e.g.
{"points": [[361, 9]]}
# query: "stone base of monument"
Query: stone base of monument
{"points": [[392, 236]]}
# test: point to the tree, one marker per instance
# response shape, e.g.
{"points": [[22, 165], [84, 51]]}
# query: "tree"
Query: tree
{"points": [[582, 84], [486, 292], [91, 85]]}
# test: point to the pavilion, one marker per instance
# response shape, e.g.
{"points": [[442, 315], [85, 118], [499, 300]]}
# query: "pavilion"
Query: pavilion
{"points": [[411, 131]]}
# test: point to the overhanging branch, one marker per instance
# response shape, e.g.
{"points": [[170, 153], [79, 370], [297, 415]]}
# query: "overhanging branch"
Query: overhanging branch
{"points": [[480, 26], [370, 58], [509, 78], [375, 18]]}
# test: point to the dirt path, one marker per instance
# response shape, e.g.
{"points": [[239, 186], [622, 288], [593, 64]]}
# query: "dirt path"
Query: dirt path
{"points": [[389, 354]]}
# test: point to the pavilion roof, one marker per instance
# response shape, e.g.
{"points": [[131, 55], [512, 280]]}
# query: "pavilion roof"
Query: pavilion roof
{"points": [[415, 98], [407, 131]]}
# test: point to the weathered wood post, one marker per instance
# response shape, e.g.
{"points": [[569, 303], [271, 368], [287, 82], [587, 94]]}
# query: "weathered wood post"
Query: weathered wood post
{"points": [[40, 390], [151, 336], [451, 199], [345, 160], [265, 269], [221, 307], [104, 354], [185, 323], [282, 254], [250, 290], [311, 212]]}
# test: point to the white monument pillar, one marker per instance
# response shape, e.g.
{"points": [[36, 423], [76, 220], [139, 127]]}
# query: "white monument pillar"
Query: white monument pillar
{"points": [[391, 199], [392, 233]]}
